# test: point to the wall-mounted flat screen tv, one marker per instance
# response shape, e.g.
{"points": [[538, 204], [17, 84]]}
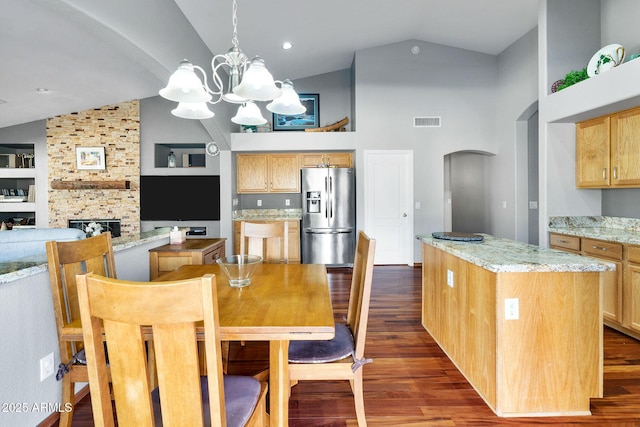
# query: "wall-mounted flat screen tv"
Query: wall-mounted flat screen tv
{"points": [[180, 198]]}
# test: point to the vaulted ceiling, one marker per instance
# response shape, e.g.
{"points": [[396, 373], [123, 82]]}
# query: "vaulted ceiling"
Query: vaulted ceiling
{"points": [[89, 53]]}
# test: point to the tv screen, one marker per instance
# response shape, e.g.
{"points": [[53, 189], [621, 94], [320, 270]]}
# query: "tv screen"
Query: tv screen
{"points": [[180, 198]]}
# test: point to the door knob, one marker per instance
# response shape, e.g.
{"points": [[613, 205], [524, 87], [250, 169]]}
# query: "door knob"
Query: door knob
{"points": [[404, 215]]}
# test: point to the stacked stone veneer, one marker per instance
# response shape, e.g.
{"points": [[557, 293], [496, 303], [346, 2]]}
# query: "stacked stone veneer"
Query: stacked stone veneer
{"points": [[117, 129]]}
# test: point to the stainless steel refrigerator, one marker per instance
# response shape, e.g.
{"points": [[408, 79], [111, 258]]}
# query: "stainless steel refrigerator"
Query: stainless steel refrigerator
{"points": [[328, 216]]}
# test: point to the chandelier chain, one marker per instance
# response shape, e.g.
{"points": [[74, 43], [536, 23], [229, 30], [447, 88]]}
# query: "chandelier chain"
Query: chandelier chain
{"points": [[234, 39]]}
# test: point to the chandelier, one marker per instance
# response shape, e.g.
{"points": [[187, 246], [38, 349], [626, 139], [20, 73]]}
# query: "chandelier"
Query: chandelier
{"points": [[249, 81]]}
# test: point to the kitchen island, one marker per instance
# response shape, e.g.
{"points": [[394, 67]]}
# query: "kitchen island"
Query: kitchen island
{"points": [[522, 323]]}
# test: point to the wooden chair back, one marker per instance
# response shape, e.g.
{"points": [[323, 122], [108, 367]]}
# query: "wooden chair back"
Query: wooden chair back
{"points": [[269, 240], [360, 296], [65, 261], [172, 310], [340, 358]]}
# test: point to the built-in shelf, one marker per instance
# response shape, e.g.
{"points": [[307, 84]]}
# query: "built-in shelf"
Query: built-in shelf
{"points": [[90, 185]]}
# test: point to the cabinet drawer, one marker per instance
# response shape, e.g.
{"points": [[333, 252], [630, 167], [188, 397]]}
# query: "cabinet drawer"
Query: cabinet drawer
{"points": [[633, 253], [565, 242], [211, 256], [600, 248]]}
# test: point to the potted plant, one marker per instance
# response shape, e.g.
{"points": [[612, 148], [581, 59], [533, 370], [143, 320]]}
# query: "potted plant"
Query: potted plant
{"points": [[570, 79]]}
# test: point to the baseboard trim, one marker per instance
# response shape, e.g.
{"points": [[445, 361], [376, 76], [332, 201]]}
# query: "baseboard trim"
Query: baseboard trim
{"points": [[52, 419]]}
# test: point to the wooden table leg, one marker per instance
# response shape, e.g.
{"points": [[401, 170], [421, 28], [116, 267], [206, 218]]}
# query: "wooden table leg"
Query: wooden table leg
{"points": [[279, 387]]}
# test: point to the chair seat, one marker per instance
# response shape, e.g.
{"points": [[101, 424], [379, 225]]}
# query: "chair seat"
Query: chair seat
{"points": [[240, 395], [331, 350]]}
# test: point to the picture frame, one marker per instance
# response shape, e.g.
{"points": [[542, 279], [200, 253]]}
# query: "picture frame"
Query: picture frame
{"points": [[90, 158], [306, 120]]}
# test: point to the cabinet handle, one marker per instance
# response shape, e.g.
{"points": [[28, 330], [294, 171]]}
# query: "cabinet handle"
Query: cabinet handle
{"points": [[615, 172], [599, 248], [563, 241], [604, 173]]}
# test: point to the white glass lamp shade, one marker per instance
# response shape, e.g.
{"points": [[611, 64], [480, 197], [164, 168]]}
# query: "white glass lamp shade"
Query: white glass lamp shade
{"points": [[185, 86], [249, 114], [288, 103], [192, 110], [257, 83]]}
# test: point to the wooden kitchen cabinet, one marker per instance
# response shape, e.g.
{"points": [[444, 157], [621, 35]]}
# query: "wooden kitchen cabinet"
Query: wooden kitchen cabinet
{"points": [[608, 151], [613, 281], [294, 238], [192, 252], [593, 153], [268, 173], [625, 148], [621, 288], [632, 288], [336, 159]]}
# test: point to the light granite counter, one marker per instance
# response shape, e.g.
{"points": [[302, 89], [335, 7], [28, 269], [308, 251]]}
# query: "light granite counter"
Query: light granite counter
{"points": [[267, 215], [503, 255], [10, 271], [612, 229]]}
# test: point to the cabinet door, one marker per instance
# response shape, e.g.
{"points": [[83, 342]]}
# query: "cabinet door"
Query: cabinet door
{"points": [[632, 297], [592, 153], [312, 160], [284, 173], [294, 242], [252, 173], [625, 148], [340, 160]]}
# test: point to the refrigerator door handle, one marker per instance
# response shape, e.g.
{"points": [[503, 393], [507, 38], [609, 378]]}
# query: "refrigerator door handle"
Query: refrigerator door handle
{"points": [[330, 197], [326, 195]]}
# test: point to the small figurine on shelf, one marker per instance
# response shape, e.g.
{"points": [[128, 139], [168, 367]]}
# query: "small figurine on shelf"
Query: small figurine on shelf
{"points": [[172, 160]]}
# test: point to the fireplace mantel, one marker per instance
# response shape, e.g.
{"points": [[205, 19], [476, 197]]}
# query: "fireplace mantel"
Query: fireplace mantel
{"points": [[90, 185]]}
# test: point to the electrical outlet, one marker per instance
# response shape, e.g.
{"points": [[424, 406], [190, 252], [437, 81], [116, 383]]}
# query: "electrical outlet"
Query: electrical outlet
{"points": [[511, 309], [287, 202], [46, 366], [450, 278], [259, 202]]}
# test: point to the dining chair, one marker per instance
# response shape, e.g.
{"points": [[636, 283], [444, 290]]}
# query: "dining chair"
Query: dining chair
{"points": [[268, 240], [171, 311], [342, 357], [65, 260]]}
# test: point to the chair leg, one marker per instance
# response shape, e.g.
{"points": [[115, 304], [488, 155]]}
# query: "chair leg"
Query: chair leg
{"points": [[67, 397], [358, 397]]}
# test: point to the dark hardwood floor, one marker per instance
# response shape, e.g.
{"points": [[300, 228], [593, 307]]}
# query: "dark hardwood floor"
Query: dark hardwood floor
{"points": [[412, 383]]}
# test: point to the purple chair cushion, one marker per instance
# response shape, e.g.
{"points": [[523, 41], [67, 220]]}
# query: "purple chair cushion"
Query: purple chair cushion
{"points": [[240, 396], [313, 351]]}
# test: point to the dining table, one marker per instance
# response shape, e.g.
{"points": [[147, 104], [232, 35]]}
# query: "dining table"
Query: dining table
{"points": [[284, 302]]}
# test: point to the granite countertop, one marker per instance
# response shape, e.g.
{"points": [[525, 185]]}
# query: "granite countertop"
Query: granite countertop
{"points": [[503, 255], [10, 271], [267, 214], [612, 229]]}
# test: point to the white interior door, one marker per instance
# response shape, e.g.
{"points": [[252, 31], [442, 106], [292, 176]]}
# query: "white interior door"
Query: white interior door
{"points": [[388, 201]]}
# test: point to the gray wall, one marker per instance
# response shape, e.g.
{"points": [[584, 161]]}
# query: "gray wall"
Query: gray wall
{"points": [[470, 191]]}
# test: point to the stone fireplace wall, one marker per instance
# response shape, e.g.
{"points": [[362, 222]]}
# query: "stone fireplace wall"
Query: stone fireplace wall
{"points": [[117, 129]]}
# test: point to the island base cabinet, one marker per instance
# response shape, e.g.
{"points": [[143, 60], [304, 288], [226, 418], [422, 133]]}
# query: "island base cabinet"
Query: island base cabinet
{"points": [[547, 362]]}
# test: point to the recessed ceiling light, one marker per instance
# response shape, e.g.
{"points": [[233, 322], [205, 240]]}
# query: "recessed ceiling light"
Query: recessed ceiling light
{"points": [[287, 45]]}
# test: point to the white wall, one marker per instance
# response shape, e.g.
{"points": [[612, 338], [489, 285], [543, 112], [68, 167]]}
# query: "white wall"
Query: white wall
{"points": [[393, 85], [517, 92]]}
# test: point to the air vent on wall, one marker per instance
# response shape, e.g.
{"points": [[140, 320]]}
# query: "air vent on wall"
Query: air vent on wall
{"points": [[427, 122]]}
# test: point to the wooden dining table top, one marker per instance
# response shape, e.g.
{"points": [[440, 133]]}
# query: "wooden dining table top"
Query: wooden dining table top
{"points": [[283, 302]]}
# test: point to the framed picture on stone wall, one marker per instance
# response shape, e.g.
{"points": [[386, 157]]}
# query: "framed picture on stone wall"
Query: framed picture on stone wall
{"points": [[90, 158]]}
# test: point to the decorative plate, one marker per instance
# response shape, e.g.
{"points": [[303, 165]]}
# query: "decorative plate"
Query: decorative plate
{"points": [[212, 149], [605, 59], [461, 237]]}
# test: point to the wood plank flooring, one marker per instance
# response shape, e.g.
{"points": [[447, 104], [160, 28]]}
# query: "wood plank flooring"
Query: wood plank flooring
{"points": [[411, 381]]}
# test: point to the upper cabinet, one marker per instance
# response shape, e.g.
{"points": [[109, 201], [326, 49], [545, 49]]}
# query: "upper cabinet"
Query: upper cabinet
{"points": [[280, 172], [268, 173], [337, 160], [608, 151]]}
